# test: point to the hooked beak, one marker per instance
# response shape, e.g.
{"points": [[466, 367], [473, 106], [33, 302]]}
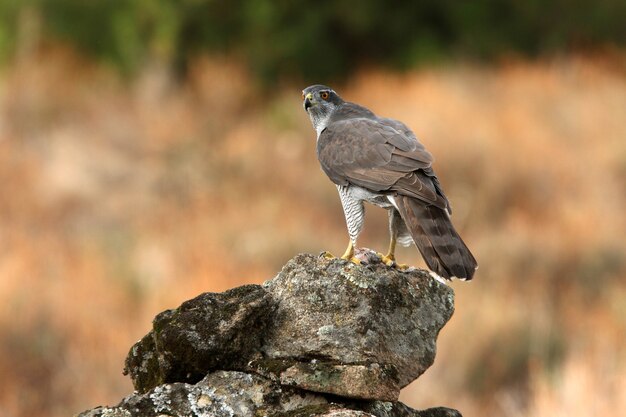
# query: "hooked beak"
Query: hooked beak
{"points": [[308, 101]]}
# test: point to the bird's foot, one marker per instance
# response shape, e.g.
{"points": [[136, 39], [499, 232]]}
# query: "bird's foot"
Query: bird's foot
{"points": [[388, 260], [330, 256], [352, 259], [402, 267]]}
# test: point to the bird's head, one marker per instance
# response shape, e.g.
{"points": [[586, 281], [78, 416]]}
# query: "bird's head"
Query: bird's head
{"points": [[320, 101]]}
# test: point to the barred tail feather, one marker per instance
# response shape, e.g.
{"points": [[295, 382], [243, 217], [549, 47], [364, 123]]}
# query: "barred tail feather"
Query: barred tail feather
{"points": [[434, 235]]}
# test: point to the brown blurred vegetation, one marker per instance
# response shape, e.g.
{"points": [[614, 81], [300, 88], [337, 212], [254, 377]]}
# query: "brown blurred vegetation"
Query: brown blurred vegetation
{"points": [[120, 199]]}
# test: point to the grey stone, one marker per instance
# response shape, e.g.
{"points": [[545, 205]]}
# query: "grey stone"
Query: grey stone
{"points": [[323, 338], [353, 381], [238, 394], [209, 332], [398, 409], [337, 323], [220, 394]]}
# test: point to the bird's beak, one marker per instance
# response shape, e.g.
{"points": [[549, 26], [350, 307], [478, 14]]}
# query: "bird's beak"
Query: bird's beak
{"points": [[308, 101]]}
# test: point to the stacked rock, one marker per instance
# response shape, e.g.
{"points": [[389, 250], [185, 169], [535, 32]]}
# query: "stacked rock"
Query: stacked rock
{"points": [[322, 338]]}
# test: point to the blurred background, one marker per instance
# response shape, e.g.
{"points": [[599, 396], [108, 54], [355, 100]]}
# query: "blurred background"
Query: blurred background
{"points": [[154, 150]]}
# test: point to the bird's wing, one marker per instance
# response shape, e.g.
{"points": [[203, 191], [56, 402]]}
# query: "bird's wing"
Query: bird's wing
{"points": [[380, 157]]}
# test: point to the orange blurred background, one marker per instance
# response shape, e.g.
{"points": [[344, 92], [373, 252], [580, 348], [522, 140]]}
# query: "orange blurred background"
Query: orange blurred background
{"points": [[121, 198]]}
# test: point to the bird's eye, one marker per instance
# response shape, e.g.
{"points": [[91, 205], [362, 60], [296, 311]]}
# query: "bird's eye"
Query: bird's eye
{"points": [[324, 95]]}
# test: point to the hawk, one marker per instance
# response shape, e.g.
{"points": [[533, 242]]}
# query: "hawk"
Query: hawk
{"points": [[380, 161]]}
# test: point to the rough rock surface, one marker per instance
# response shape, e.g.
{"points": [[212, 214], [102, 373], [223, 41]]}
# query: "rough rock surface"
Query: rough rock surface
{"points": [[238, 394], [209, 332], [324, 337], [338, 322]]}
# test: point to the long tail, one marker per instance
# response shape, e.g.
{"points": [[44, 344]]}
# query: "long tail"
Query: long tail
{"points": [[435, 237]]}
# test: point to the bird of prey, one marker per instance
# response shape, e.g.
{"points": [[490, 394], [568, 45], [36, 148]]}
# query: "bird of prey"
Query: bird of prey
{"points": [[380, 161]]}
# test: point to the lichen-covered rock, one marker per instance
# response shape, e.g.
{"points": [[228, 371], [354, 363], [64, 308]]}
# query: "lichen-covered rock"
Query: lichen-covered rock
{"points": [[238, 394], [398, 409], [353, 381], [350, 330], [323, 338], [345, 413], [209, 332], [220, 394]]}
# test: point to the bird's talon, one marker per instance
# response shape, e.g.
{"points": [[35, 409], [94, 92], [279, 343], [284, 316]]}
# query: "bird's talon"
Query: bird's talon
{"points": [[402, 267], [388, 260], [352, 259], [327, 255]]}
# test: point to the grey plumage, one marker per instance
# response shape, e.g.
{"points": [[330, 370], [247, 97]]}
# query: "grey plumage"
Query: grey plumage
{"points": [[379, 160]]}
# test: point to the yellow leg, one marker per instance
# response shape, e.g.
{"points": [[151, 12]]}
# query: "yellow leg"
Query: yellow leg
{"points": [[349, 254], [390, 258]]}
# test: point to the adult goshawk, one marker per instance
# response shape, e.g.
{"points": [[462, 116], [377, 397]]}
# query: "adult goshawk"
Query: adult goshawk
{"points": [[379, 160]]}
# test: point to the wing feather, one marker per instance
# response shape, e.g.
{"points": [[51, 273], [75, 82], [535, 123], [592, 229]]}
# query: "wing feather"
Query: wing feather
{"points": [[380, 155]]}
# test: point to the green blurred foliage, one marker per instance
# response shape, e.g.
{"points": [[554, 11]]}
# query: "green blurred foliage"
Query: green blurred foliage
{"points": [[319, 39]]}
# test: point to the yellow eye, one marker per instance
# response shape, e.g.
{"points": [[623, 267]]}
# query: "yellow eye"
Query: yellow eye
{"points": [[324, 95]]}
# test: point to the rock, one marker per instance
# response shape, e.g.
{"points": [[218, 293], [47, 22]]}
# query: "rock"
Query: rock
{"points": [[353, 381], [354, 331], [397, 409], [209, 332], [238, 394], [222, 393], [322, 338]]}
